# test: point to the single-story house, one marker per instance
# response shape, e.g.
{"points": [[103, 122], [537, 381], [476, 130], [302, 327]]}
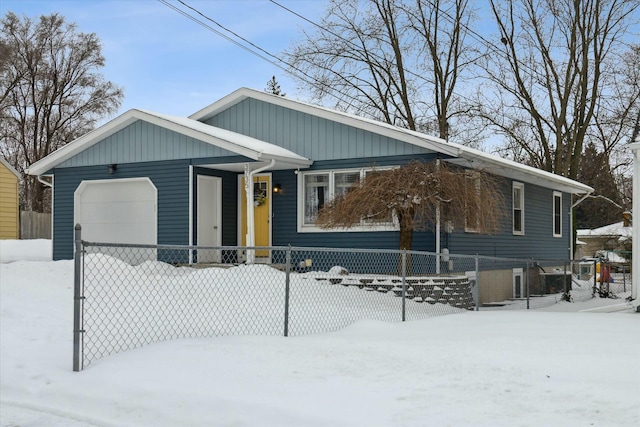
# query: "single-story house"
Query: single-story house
{"points": [[147, 177], [606, 241], [9, 204]]}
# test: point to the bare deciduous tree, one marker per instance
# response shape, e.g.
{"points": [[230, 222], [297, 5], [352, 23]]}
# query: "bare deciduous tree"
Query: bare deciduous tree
{"points": [[50, 92], [555, 70], [412, 194], [397, 61]]}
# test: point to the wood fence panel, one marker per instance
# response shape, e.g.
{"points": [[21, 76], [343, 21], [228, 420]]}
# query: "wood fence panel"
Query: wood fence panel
{"points": [[35, 225]]}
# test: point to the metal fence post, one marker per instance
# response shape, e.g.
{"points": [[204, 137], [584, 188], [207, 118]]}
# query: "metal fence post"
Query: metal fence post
{"points": [[286, 290], [404, 285], [595, 274], [476, 294], [525, 285], [564, 279], [528, 283], [77, 299]]}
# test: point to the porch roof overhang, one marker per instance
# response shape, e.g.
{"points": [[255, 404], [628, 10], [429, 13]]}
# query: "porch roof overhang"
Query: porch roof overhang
{"points": [[251, 148]]}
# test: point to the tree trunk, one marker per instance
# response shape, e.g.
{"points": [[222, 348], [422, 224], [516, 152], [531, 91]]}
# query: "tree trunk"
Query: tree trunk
{"points": [[406, 238]]}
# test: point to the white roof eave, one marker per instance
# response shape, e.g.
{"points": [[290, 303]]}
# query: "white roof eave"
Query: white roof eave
{"points": [[231, 141], [459, 154], [508, 168]]}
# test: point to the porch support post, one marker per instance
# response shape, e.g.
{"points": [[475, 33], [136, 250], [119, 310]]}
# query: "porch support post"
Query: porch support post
{"points": [[250, 236]]}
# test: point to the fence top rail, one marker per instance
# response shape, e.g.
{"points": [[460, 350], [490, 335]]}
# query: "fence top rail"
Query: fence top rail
{"points": [[328, 249]]}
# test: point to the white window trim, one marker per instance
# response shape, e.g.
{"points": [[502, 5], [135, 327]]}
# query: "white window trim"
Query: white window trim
{"points": [[553, 215], [520, 186], [308, 228]]}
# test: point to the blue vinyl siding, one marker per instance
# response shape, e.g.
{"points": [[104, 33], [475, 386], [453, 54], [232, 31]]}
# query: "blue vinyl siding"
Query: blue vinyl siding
{"points": [[171, 179], [144, 142], [309, 136], [537, 241]]}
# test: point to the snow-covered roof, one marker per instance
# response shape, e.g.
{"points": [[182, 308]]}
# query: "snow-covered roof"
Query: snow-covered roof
{"points": [[240, 144], [612, 230], [261, 150], [459, 153], [611, 256]]}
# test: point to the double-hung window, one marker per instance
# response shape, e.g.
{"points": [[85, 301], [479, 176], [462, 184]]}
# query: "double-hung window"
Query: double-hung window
{"points": [[317, 188], [472, 209], [316, 193], [557, 214], [518, 208]]}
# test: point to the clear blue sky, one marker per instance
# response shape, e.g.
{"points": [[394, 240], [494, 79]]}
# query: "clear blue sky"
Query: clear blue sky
{"points": [[167, 63]]}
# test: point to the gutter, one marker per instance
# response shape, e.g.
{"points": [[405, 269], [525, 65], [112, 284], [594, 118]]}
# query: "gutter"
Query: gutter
{"points": [[43, 182]]}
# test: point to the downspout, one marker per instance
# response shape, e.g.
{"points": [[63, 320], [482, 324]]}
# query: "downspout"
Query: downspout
{"points": [[571, 241], [43, 182], [250, 238]]}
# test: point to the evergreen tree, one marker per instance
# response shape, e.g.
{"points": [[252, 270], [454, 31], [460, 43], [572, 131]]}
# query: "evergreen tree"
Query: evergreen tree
{"points": [[274, 87], [600, 209]]}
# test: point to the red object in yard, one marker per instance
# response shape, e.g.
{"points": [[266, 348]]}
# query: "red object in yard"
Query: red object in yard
{"points": [[605, 275]]}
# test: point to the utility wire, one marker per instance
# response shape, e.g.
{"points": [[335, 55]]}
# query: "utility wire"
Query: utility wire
{"points": [[275, 61], [352, 44], [232, 32], [477, 36], [224, 36]]}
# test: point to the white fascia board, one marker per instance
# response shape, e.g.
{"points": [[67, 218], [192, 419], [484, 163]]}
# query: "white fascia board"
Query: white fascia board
{"points": [[508, 168], [295, 162], [231, 141], [405, 135], [87, 140]]}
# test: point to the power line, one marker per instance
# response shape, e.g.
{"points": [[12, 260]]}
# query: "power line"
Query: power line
{"points": [[352, 44], [234, 33], [328, 90], [224, 36]]}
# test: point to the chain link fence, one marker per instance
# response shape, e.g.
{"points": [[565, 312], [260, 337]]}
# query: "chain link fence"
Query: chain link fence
{"points": [[128, 296]]}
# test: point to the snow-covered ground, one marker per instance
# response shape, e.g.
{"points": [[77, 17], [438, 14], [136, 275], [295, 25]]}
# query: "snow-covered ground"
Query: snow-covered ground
{"points": [[487, 368]]}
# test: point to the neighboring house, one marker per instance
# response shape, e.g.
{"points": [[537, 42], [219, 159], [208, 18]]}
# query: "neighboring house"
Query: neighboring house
{"points": [[9, 205], [605, 241], [146, 177]]}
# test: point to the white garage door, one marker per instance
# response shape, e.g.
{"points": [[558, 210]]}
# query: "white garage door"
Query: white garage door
{"points": [[117, 211]]}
